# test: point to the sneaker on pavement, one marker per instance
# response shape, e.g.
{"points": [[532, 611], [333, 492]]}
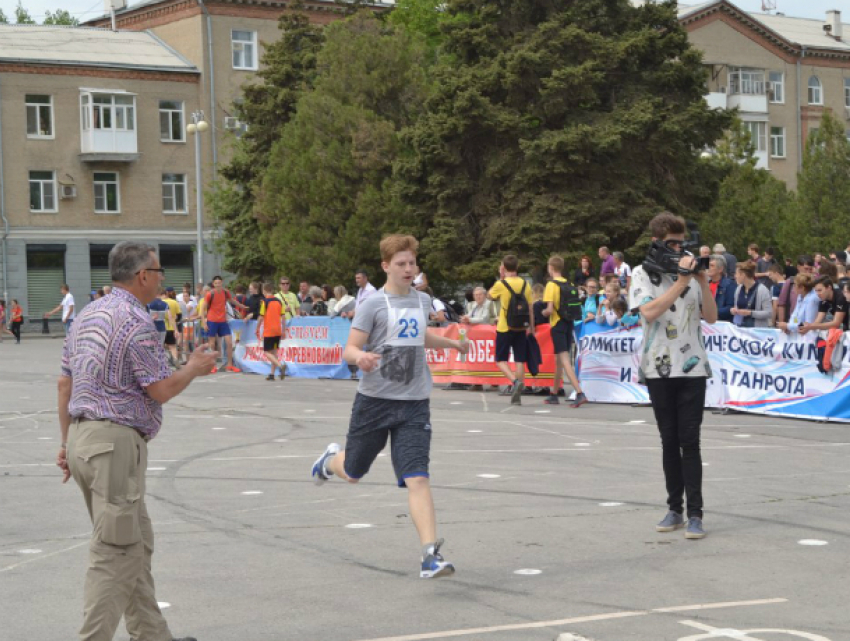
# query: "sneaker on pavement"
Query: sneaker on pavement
{"points": [[580, 400], [516, 394], [695, 529], [434, 565], [231, 368], [561, 392], [319, 475], [673, 521], [214, 370], [270, 377], [552, 400]]}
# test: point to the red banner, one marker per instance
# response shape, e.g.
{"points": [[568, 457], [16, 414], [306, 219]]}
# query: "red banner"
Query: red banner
{"points": [[479, 366]]}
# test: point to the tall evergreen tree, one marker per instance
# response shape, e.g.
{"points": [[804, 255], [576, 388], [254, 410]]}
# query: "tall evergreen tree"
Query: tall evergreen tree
{"points": [[823, 191], [556, 125], [288, 70], [326, 195]]}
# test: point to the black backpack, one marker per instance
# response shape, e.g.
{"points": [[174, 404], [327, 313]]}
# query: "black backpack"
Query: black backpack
{"points": [[451, 311], [569, 306], [518, 313]]}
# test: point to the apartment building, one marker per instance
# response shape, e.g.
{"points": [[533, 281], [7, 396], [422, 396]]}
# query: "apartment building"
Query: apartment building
{"points": [[781, 73], [93, 151]]}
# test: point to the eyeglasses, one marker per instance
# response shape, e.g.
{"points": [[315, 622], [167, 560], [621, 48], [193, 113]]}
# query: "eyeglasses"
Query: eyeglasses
{"points": [[284, 282], [152, 269]]}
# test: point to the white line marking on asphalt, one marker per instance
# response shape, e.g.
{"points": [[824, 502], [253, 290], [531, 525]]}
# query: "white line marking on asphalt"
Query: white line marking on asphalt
{"points": [[381, 455], [43, 556], [582, 444], [456, 403], [359, 526], [582, 619], [637, 421], [812, 542], [29, 551], [542, 411], [568, 636], [475, 431], [743, 635], [528, 572], [705, 464], [163, 604], [45, 438], [742, 436], [309, 411], [219, 428], [281, 440], [155, 469], [251, 492], [484, 401], [610, 504], [489, 476]]}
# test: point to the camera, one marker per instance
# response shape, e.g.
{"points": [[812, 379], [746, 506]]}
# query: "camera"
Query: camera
{"points": [[663, 259]]}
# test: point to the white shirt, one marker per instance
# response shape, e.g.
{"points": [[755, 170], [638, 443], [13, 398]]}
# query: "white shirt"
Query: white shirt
{"points": [[623, 272], [363, 293], [68, 308]]}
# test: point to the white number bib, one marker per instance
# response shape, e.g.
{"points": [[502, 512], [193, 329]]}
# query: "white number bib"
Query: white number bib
{"points": [[405, 326]]}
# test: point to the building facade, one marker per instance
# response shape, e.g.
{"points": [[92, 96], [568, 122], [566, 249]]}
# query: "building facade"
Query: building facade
{"points": [[93, 151], [781, 74]]}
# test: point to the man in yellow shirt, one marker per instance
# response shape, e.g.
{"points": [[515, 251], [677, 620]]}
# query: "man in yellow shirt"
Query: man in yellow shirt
{"points": [[287, 298], [171, 325], [516, 323], [562, 334]]}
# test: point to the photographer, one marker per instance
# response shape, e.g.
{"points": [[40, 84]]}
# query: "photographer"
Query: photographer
{"points": [[671, 295]]}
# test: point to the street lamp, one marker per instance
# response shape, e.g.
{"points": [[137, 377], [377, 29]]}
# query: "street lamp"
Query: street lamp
{"points": [[196, 127]]}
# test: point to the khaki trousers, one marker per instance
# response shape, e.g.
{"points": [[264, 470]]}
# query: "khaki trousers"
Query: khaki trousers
{"points": [[108, 461]]}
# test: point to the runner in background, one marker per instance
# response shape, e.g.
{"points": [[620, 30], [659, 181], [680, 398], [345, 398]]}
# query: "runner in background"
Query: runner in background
{"points": [[216, 319], [270, 328]]}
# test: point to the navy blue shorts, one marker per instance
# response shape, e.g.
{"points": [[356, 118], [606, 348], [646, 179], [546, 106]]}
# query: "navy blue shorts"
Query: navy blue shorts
{"points": [[562, 336], [511, 340], [214, 330], [406, 423]]}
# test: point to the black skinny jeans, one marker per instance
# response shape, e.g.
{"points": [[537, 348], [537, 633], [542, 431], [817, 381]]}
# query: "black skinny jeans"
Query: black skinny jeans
{"points": [[16, 330], [678, 405]]}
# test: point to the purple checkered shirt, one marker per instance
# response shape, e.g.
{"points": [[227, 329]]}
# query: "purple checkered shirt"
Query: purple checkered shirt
{"points": [[112, 354]]}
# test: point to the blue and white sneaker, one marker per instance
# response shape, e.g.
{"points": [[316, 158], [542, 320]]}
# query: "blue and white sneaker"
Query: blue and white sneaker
{"points": [[434, 565], [319, 472]]}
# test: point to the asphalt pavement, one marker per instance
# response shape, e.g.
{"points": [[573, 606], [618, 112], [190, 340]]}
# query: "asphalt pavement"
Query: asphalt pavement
{"points": [[548, 514]]}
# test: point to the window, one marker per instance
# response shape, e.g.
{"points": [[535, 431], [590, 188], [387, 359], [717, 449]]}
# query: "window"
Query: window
{"points": [[39, 116], [108, 111], [777, 142], [244, 46], [777, 86], [171, 121], [107, 199], [42, 191], [847, 92], [815, 91], [758, 134], [746, 81], [174, 194]]}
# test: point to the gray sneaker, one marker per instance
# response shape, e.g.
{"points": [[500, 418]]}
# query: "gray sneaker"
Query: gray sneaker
{"points": [[516, 394], [673, 521], [695, 530]]}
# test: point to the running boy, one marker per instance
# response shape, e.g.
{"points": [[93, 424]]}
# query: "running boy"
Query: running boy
{"points": [[216, 319], [387, 342], [270, 328]]}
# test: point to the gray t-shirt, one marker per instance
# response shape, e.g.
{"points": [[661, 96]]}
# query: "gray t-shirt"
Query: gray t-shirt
{"points": [[672, 345], [402, 373]]}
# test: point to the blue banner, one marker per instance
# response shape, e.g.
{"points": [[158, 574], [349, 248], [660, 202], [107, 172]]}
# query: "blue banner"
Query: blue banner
{"points": [[311, 347]]}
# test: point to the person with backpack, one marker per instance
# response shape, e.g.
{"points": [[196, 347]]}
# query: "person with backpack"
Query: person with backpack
{"points": [[216, 319], [17, 320], [563, 308], [515, 324], [753, 302]]}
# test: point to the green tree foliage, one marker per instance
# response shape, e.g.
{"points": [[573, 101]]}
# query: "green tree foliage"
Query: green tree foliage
{"points": [[3, 18], [327, 197], [60, 17], [821, 222], [22, 16], [556, 126], [288, 70], [752, 205], [421, 17]]}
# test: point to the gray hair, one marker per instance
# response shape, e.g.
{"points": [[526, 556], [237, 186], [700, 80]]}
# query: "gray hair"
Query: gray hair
{"points": [[316, 292], [719, 261], [479, 289], [127, 258], [619, 256], [719, 248], [340, 291]]}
